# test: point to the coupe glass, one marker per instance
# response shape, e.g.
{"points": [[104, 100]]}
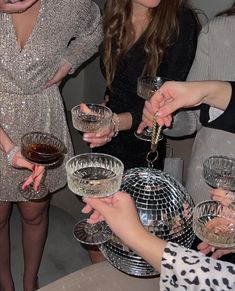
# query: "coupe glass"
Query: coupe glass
{"points": [[93, 175], [146, 87], [219, 172], [214, 223], [94, 118], [43, 149]]}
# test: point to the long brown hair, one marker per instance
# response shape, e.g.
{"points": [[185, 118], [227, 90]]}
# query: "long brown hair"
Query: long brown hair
{"points": [[228, 12], [119, 33]]}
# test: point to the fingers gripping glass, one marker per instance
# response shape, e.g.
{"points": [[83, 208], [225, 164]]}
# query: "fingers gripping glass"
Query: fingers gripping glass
{"points": [[214, 222], [93, 175], [146, 87], [42, 149], [91, 117]]}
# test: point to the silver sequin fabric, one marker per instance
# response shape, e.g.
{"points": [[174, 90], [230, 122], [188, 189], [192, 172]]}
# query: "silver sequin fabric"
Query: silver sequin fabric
{"points": [[24, 103]]}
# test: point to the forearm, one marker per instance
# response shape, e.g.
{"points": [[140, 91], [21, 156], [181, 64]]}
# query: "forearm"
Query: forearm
{"points": [[149, 247], [5, 142], [217, 94], [125, 121]]}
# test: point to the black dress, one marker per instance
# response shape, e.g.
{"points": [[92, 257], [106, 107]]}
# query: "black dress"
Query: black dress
{"points": [[123, 96]]}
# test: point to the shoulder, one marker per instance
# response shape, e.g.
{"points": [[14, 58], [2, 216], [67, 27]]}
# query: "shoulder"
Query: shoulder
{"points": [[187, 17], [220, 23]]}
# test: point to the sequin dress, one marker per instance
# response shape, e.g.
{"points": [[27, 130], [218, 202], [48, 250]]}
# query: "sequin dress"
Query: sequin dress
{"points": [[24, 103]]}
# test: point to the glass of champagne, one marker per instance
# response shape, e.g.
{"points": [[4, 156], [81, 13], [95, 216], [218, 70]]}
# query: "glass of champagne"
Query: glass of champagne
{"points": [[146, 87], [214, 222], [91, 117], [93, 175], [42, 149]]}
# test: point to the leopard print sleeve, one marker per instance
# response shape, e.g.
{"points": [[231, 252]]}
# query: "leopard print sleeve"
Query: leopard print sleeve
{"points": [[185, 269]]}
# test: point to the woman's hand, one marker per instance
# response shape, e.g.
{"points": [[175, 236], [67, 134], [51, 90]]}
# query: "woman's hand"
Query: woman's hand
{"points": [[120, 213], [37, 171], [15, 6], [100, 138], [59, 75], [223, 196], [205, 248]]}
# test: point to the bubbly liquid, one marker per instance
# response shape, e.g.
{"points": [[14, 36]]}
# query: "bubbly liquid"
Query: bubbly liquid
{"points": [[41, 153], [91, 123], [94, 182], [217, 231]]}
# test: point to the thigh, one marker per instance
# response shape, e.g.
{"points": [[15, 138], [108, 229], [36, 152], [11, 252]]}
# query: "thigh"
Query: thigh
{"points": [[5, 211], [33, 210]]}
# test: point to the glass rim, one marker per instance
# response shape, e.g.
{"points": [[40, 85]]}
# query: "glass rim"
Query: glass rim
{"points": [[60, 150], [219, 157], [144, 78], [120, 170], [108, 110]]}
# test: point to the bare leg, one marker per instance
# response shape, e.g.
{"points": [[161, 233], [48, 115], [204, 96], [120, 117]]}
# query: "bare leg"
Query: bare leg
{"points": [[34, 216], [6, 281]]}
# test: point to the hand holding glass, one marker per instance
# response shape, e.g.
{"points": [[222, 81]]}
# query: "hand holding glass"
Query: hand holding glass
{"points": [[93, 175], [146, 87], [214, 222], [43, 149]]}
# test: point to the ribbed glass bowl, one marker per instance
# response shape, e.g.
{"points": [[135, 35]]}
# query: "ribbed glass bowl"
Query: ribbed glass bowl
{"points": [[95, 118], [214, 223], [42, 148], [219, 172]]}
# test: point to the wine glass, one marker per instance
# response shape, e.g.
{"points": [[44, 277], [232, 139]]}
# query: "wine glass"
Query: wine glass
{"points": [[214, 222], [146, 87], [219, 172], [93, 175], [91, 118], [43, 149]]}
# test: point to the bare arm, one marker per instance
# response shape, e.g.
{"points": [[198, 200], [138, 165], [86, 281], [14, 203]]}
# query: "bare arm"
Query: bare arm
{"points": [[6, 143], [176, 95]]}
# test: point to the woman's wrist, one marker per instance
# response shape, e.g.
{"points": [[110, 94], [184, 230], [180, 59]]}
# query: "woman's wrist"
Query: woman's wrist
{"points": [[116, 124], [11, 152]]}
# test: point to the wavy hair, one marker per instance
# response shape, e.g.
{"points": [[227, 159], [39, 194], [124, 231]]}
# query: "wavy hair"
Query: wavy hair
{"points": [[228, 12], [119, 35]]}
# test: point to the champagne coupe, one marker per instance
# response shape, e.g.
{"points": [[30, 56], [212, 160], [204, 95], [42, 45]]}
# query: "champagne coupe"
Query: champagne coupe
{"points": [[42, 149], [214, 222], [146, 87], [93, 175], [91, 118]]}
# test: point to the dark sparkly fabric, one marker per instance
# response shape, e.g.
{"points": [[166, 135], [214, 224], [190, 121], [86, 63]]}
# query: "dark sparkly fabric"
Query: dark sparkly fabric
{"points": [[123, 98]]}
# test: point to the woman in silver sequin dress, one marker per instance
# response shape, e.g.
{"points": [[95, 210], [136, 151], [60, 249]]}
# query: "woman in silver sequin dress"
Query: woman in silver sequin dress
{"points": [[36, 52]]}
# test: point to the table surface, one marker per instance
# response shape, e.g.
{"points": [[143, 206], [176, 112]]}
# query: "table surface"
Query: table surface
{"points": [[102, 277]]}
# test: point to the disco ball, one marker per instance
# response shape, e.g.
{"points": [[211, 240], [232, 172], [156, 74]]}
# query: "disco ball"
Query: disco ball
{"points": [[164, 208]]}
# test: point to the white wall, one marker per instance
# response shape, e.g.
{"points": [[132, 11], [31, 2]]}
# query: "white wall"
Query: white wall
{"points": [[89, 84]]}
